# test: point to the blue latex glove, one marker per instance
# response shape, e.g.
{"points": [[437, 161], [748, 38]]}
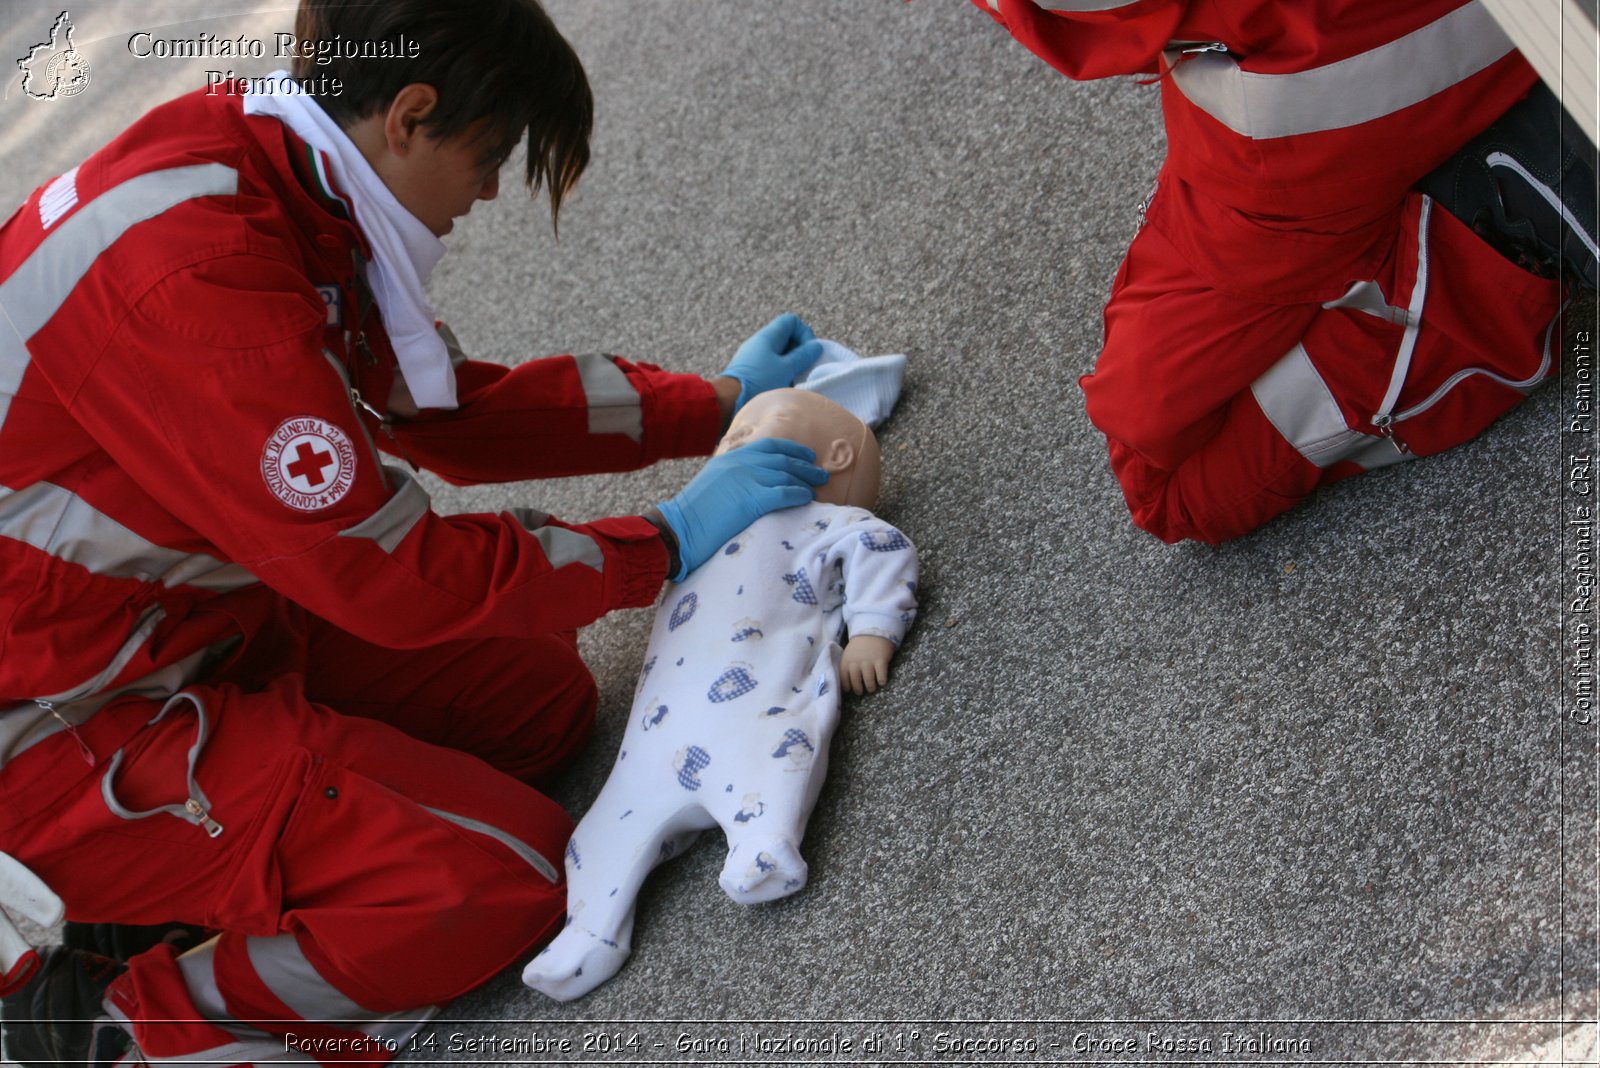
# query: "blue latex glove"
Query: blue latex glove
{"points": [[734, 490], [780, 352]]}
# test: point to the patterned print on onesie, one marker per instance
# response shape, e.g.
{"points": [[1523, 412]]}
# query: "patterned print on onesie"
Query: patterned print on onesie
{"points": [[737, 681]]}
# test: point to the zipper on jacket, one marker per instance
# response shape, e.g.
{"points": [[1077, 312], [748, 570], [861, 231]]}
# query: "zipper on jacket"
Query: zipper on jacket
{"points": [[1454, 380], [197, 810], [72, 729], [360, 404], [1385, 417], [1184, 51], [357, 403], [386, 423], [1144, 205], [1385, 425]]}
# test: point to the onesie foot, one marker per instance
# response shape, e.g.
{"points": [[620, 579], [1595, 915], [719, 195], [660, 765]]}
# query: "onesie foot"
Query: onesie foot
{"points": [[756, 873], [574, 964]]}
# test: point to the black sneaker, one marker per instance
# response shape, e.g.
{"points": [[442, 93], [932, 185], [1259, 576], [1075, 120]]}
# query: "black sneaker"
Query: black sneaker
{"points": [[1527, 186], [58, 1019]]}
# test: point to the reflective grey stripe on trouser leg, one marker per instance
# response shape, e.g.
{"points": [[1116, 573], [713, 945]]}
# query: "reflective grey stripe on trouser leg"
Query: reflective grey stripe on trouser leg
{"points": [[282, 967], [1294, 397], [252, 1047], [1300, 406]]}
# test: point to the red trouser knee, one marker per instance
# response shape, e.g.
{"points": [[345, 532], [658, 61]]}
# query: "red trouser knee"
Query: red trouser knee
{"points": [[358, 872], [1178, 390], [524, 705], [362, 873]]}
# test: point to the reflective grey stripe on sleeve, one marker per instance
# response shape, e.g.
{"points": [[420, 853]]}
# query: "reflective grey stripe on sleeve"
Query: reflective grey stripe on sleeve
{"points": [[13, 363], [1299, 404], [44, 281], [25, 725], [531, 856], [531, 518], [1349, 92], [614, 406], [389, 525], [561, 546], [59, 522]]}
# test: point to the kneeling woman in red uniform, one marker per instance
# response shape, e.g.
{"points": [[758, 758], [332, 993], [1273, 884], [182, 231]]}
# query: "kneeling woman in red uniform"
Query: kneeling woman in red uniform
{"points": [[252, 682]]}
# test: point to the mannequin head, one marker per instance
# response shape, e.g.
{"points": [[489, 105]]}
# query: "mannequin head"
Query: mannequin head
{"points": [[844, 446]]}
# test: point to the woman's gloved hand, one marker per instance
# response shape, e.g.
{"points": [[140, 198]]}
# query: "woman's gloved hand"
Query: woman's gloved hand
{"points": [[780, 352], [734, 490]]}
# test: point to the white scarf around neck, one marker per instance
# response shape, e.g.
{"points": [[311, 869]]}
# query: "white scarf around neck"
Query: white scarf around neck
{"points": [[404, 250]]}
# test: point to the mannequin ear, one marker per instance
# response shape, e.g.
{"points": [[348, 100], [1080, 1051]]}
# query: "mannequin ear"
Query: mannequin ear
{"points": [[838, 456]]}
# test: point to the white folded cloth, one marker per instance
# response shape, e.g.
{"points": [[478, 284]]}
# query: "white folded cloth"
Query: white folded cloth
{"points": [[404, 250], [867, 386]]}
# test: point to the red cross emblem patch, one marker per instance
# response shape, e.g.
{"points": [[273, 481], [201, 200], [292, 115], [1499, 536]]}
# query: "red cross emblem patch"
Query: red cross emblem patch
{"points": [[309, 463]]}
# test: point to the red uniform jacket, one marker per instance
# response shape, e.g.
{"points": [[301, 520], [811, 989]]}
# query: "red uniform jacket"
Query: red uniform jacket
{"points": [[191, 386]]}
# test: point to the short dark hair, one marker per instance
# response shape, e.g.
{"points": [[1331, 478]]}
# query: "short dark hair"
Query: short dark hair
{"points": [[501, 60]]}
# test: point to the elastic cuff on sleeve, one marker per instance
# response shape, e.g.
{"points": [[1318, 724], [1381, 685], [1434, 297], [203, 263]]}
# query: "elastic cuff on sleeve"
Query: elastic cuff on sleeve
{"points": [[637, 548], [878, 625]]}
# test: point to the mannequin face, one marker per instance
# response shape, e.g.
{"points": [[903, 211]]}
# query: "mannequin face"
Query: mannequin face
{"points": [[844, 446]]}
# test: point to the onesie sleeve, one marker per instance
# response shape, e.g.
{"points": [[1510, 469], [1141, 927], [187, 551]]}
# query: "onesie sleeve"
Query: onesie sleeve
{"points": [[880, 578]]}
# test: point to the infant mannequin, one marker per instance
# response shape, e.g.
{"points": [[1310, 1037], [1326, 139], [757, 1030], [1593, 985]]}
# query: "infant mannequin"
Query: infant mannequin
{"points": [[739, 694]]}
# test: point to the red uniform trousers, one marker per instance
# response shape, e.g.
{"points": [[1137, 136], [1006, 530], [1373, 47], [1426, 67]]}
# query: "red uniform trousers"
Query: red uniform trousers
{"points": [[1306, 376], [367, 870]]}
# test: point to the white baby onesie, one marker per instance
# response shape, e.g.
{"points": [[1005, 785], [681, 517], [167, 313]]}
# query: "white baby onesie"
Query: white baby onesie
{"points": [[736, 704]]}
